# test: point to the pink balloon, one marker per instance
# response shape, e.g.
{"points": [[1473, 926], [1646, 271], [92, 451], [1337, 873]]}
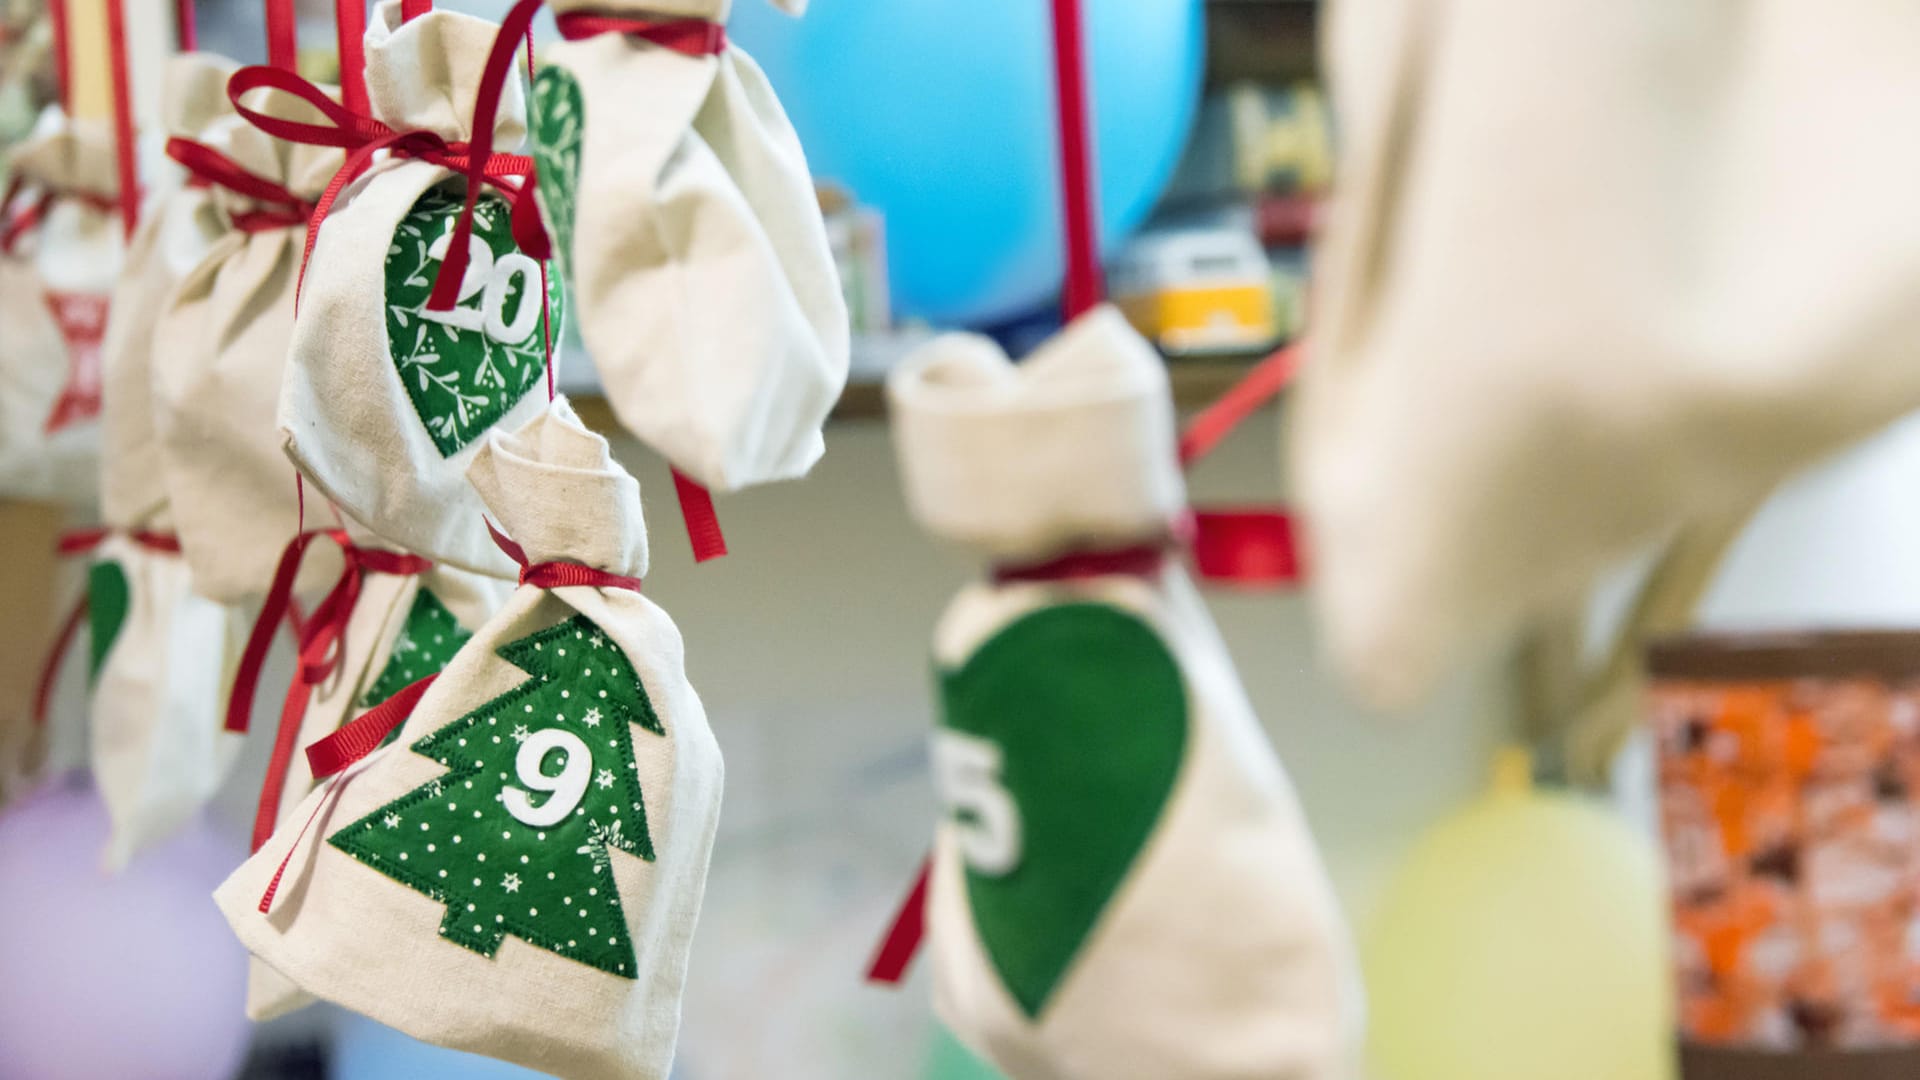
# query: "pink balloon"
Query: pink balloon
{"points": [[134, 976]]}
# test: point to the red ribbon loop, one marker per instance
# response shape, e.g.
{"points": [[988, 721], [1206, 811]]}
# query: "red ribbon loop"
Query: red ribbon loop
{"points": [[17, 225], [559, 575], [280, 209], [364, 735], [1141, 560]]}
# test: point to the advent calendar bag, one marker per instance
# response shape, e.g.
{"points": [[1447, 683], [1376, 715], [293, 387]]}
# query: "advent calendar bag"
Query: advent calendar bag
{"points": [[404, 628], [518, 874], [224, 336], [1123, 887], [691, 237], [178, 229], [385, 402], [73, 233], [163, 657]]}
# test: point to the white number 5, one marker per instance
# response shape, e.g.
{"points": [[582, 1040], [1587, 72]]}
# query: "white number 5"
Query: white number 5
{"points": [[966, 769], [564, 790]]}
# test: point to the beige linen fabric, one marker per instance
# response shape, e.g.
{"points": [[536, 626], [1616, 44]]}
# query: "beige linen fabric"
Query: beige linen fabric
{"points": [[373, 633], [706, 290], [178, 228], [1221, 953], [75, 253], [346, 414], [156, 745], [352, 934], [1592, 271], [224, 338]]}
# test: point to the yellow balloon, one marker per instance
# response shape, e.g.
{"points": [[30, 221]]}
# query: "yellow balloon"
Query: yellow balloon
{"points": [[1526, 939]]}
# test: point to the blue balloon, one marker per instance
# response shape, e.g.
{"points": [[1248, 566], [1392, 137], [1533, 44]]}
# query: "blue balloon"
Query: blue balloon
{"points": [[941, 115], [365, 1050]]}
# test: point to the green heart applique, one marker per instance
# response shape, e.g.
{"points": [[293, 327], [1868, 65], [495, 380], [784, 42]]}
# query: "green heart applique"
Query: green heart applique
{"points": [[1062, 738], [108, 598], [559, 118], [428, 639], [466, 368]]}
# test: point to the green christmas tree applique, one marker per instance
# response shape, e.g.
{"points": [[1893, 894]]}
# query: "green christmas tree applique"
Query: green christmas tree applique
{"points": [[108, 599], [559, 121], [466, 368], [428, 639], [542, 785]]}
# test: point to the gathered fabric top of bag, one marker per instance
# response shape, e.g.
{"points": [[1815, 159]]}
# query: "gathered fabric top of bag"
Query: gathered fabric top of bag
{"points": [[554, 487], [67, 155], [425, 75], [1075, 447], [194, 93], [710, 10]]}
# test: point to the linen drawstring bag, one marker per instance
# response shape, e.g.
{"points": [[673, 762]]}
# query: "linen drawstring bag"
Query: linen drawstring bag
{"points": [[1122, 885], [1593, 273], [519, 872]]}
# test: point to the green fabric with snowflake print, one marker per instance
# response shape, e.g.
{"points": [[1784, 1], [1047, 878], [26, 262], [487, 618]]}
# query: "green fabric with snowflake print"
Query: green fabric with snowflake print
{"points": [[559, 121], [464, 369], [517, 837], [428, 639]]}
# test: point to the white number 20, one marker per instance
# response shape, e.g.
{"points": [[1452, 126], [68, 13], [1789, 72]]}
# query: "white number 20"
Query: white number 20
{"points": [[490, 280], [564, 789], [966, 769]]}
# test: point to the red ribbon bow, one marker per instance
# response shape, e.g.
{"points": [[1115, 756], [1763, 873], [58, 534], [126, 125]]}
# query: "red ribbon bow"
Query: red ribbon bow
{"points": [[16, 225], [321, 640], [362, 137], [280, 207], [560, 575]]}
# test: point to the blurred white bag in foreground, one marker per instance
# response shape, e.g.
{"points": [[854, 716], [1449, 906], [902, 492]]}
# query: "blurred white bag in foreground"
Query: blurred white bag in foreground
{"points": [[1593, 270]]}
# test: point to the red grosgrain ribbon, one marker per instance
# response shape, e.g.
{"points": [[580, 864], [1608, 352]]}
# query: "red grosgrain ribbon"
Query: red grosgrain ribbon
{"points": [[364, 735], [280, 208], [1218, 420], [362, 137], [30, 218], [62, 53], [123, 134], [703, 525], [559, 575], [1078, 170], [692, 37], [188, 28], [1251, 547], [413, 9], [80, 542], [319, 654], [903, 938]]}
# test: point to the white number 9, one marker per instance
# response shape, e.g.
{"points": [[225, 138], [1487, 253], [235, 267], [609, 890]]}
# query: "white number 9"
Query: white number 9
{"points": [[966, 769], [564, 790]]}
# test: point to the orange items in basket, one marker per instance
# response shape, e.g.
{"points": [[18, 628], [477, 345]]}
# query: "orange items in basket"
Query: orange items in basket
{"points": [[1790, 791]]}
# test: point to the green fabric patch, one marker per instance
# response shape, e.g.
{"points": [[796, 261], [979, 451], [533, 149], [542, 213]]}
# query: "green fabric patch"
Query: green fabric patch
{"points": [[108, 598], [559, 121], [428, 639], [464, 369], [1067, 728], [542, 784]]}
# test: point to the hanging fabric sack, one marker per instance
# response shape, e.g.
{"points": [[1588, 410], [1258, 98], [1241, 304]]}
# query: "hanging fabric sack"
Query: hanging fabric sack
{"points": [[1593, 272], [533, 846], [385, 401], [1123, 887]]}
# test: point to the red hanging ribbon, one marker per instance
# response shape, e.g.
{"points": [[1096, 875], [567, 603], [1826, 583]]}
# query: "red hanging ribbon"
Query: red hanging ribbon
{"points": [[187, 25], [123, 135], [904, 934], [362, 137], [320, 645], [559, 575], [1262, 384], [703, 524], [62, 53], [413, 9], [1078, 170], [283, 43], [280, 209], [350, 32]]}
